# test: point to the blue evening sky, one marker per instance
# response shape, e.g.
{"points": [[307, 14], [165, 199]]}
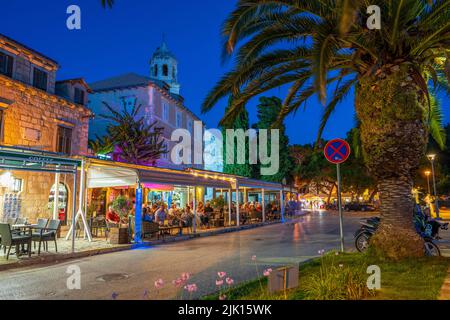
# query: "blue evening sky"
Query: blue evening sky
{"points": [[122, 40]]}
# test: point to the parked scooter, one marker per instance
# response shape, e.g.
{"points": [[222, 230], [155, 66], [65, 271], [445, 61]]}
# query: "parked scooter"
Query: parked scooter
{"points": [[429, 231]]}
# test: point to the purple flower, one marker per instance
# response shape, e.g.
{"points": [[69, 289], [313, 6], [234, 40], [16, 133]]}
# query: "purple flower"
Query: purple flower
{"points": [[114, 295]]}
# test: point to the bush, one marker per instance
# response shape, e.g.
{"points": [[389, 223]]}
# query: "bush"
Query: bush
{"points": [[338, 282]]}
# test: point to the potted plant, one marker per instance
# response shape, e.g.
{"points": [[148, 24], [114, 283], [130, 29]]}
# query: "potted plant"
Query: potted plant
{"points": [[123, 207]]}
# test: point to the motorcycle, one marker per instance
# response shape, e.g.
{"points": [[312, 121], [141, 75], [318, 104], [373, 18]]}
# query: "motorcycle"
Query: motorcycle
{"points": [[429, 231]]}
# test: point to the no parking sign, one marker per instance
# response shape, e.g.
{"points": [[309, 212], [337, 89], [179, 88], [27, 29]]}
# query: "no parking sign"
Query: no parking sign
{"points": [[337, 151]]}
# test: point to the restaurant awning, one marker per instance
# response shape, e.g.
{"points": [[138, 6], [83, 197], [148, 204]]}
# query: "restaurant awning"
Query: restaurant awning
{"points": [[259, 184], [182, 178], [100, 176], [105, 173], [12, 158]]}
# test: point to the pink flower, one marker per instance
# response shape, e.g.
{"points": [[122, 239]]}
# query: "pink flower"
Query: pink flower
{"points": [[253, 258], [267, 272], [229, 281], [185, 276], [191, 287], [159, 284], [178, 283], [222, 297], [219, 283], [222, 274]]}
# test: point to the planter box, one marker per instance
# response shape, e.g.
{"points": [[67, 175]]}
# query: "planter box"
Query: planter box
{"points": [[118, 236]]}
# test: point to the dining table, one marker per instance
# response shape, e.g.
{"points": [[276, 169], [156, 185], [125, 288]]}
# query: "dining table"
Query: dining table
{"points": [[25, 228]]}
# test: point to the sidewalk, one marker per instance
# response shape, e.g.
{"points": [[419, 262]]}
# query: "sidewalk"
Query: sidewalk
{"points": [[83, 248]]}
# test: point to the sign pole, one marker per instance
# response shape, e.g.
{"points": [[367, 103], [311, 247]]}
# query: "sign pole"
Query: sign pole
{"points": [[341, 216]]}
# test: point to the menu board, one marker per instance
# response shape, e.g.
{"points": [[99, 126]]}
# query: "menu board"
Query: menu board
{"points": [[12, 204]]}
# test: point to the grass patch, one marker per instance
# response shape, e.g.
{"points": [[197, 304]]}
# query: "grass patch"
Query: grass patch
{"points": [[344, 277]]}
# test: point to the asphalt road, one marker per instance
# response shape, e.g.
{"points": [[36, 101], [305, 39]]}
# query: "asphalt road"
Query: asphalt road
{"points": [[129, 274]]}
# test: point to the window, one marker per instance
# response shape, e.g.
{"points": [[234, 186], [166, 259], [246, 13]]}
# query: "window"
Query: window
{"points": [[78, 96], [40, 79], [64, 140], [6, 64], [174, 73], [166, 147], [190, 125], [165, 112], [155, 70], [17, 185], [165, 70], [179, 123], [1, 125]]}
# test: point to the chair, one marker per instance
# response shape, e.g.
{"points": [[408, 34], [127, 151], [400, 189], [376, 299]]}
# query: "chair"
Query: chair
{"points": [[11, 221], [149, 228], [47, 234], [9, 239], [21, 221]]}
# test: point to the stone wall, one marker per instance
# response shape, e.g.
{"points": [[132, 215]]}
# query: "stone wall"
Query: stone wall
{"points": [[33, 117], [31, 120]]}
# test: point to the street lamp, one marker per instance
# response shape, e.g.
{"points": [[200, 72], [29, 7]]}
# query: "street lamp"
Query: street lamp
{"points": [[432, 157], [427, 173]]}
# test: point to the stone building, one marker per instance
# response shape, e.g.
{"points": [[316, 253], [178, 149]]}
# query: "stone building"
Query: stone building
{"points": [[38, 112], [159, 95]]}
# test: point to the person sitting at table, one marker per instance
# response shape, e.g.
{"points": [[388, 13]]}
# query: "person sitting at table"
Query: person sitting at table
{"points": [[112, 216], [186, 216], [148, 215], [173, 210], [207, 213], [160, 214]]}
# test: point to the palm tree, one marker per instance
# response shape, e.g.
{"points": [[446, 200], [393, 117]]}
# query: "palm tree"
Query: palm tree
{"points": [[318, 47], [128, 133], [108, 3]]}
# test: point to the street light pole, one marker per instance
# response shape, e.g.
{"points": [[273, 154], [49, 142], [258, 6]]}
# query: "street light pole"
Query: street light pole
{"points": [[432, 157], [427, 173]]}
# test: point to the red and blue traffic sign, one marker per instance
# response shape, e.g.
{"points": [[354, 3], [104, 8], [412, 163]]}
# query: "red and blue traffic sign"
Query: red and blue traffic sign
{"points": [[337, 151]]}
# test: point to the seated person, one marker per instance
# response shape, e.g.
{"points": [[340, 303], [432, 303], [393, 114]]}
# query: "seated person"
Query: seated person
{"points": [[112, 217], [186, 217], [147, 215], [207, 212], [160, 214]]}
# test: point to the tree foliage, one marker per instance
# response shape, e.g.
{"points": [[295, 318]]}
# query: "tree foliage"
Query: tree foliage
{"points": [[128, 134]]}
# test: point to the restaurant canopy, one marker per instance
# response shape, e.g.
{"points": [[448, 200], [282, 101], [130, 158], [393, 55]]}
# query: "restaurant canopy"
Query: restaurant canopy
{"points": [[106, 173], [12, 158]]}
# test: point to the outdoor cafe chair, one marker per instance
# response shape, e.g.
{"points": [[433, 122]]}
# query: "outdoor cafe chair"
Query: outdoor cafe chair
{"points": [[9, 239], [47, 234], [11, 221], [21, 221]]}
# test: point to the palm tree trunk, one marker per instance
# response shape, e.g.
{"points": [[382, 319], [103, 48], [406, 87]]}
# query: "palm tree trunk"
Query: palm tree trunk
{"points": [[392, 110]]}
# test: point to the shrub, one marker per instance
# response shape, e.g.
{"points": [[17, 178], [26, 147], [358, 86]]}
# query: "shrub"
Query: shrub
{"points": [[337, 281]]}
